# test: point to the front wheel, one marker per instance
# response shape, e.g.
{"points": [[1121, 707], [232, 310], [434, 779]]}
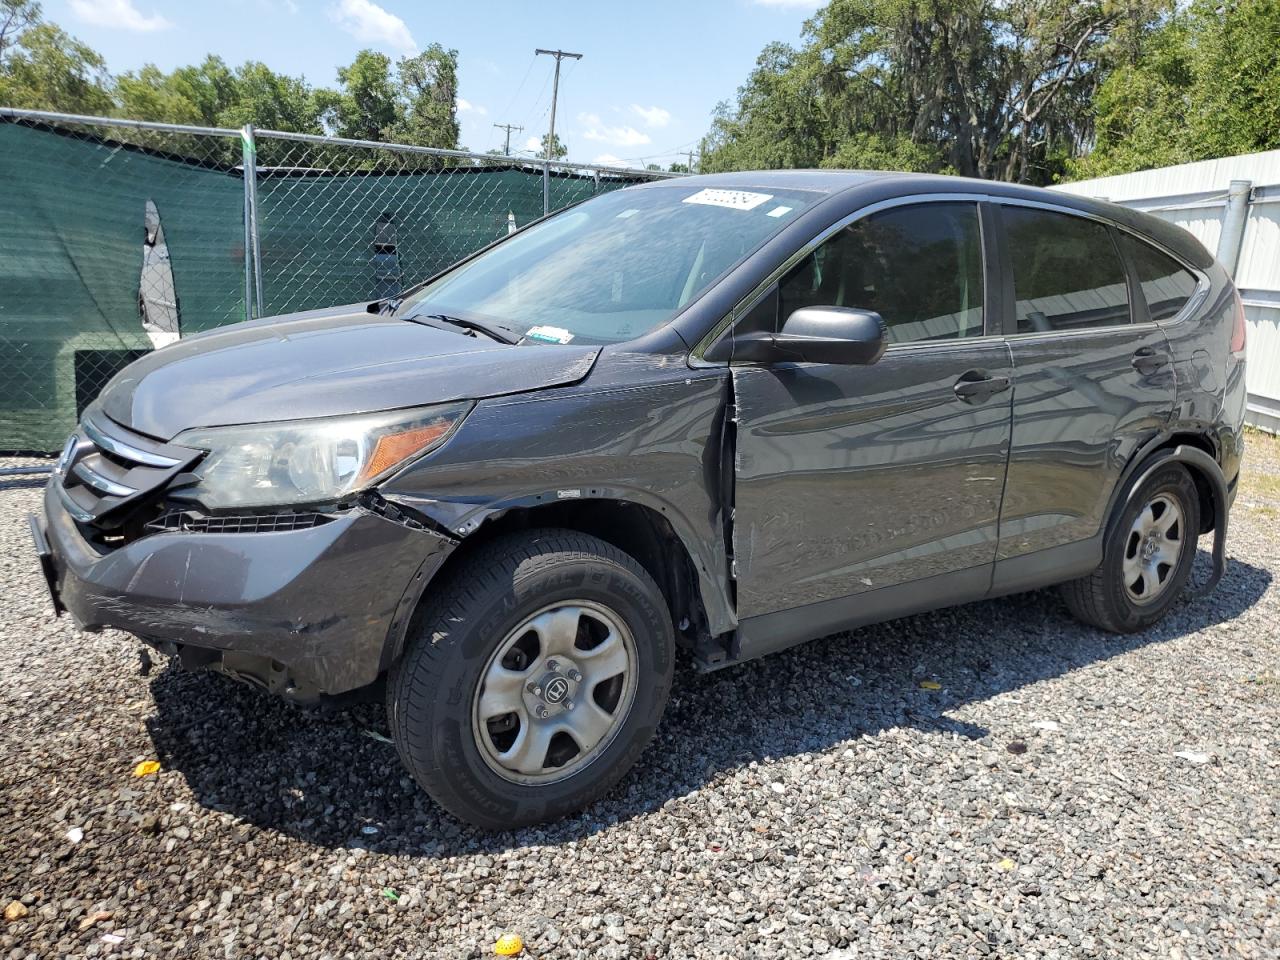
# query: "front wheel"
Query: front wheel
{"points": [[1147, 556], [534, 680]]}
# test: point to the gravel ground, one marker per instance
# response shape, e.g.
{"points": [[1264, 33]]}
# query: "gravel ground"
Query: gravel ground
{"points": [[827, 801]]}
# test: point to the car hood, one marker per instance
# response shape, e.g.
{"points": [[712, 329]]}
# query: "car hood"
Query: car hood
{"points": [[324, 363]]}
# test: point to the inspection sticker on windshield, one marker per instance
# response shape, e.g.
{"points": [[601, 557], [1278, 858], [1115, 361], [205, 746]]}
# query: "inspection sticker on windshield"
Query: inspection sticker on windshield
{"points": [[778, 212], [734, 199], [549, 334]]}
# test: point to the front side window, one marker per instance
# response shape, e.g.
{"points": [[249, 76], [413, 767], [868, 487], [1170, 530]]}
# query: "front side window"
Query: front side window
{"points": [[1067, 273], [919, 267], [1166, 284], [615, 267]]}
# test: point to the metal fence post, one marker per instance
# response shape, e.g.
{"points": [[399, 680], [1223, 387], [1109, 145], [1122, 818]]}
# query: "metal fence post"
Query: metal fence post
{"points": [[1234, 221], [251, 216], [248, 231], [546, 187]]}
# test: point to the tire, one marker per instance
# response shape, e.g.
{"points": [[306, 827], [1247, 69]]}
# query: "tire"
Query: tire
{"points": [[1111, 598], [518, 597]]}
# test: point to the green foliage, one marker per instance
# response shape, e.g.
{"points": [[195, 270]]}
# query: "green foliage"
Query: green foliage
{"points": [[557, 151], [214, 95], [43, 67], [428, 95], [990, 88], [367, 108], [416, 102], [1204, 83]]}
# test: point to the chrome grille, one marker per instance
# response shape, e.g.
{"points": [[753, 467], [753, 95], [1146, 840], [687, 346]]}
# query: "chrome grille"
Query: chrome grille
{"points": [[107, 472]]}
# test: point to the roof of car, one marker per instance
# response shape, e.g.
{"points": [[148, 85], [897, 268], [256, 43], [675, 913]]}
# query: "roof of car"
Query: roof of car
{"points": [[888, 182], [819, 181]]}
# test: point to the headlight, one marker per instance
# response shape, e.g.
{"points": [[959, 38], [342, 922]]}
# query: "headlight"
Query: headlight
{"points": [[304, 461]]}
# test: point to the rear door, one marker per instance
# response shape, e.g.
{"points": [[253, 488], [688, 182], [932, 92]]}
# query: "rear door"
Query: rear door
{"points": [[1094, 379], [854, 478]]}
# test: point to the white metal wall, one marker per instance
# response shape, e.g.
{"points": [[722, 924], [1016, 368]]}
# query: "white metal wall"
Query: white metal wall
{"points": [[1193, 196]]}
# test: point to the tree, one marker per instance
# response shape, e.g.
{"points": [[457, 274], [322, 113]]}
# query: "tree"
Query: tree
{"points": [[367, 108], [1202, 83], [42, 67], [428, 91], [990, 88], [416, 102], [558, 150], [15, 17]]}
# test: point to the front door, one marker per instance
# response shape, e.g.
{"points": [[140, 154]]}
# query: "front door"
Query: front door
{"points": [[854, 478]]}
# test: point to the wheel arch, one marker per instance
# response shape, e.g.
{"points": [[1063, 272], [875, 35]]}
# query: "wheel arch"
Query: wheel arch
{"points": [[1197, 452], [1163, 446], [637, 529]]}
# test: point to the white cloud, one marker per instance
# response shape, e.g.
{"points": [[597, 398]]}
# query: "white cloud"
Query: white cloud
{"points": [[652, 116], [118, 13], [624, 136], [609, 160], [369, 23], [533, 144], [466, 106]]}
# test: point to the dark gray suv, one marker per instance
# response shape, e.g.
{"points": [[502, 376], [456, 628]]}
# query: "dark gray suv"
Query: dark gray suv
{"points": [[725, 413]]}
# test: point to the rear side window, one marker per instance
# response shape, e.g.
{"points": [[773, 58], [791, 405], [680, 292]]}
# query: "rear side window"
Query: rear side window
{"points": [[1067, 273], [919, 267], [1166, 284]]}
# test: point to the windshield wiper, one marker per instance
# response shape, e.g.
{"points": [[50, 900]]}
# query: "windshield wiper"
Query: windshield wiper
{"points": [[493, 331]]}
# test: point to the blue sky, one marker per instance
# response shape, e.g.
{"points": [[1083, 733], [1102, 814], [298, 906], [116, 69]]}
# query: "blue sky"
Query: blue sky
{"points": [[651, 74]]}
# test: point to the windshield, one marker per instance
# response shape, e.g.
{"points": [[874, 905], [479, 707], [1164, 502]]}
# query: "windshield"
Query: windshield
{"points": [[612, 268]]}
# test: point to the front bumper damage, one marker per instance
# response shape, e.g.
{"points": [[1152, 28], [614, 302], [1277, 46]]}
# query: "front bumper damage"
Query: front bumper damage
{"points": [[304, 613]]}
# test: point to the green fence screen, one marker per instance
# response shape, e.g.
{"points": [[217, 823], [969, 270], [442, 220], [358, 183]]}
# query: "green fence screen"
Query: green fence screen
{"points": [[335, 225]]}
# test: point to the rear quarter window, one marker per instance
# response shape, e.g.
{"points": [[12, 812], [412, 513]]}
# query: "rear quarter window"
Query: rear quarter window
{"points": [[1166, 284]]}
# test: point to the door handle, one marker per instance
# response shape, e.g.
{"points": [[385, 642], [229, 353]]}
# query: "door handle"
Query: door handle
{"points": [[976, 387], [1148, 360]]}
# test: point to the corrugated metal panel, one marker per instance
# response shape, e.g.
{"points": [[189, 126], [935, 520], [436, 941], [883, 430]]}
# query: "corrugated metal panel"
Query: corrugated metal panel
{"points": [[1186, 178], [1263, 332], [1259, 267], [1192, 196]]}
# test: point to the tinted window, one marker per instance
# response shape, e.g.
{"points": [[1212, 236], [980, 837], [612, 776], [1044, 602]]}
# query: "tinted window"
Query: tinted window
{"points": [[1067, 274], [1166, 284], [919, 267]]}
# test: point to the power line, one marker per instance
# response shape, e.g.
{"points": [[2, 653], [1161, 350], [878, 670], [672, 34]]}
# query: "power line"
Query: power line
{"points": [[527, 70], [506, 151]]}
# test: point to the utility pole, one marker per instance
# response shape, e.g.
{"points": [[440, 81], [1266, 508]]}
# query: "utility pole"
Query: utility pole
{"points": [[691, 161], [551, 134], [506, 151]]}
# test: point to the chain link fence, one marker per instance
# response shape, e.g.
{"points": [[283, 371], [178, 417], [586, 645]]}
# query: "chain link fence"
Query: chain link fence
{"points": [[118, 237]]}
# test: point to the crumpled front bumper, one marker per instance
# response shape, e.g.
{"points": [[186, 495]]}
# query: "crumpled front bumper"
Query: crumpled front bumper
{"points": [[326, 607]]}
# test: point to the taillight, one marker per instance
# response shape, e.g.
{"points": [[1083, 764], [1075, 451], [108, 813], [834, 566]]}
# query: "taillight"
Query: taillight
{"points": [[1237, 328]]}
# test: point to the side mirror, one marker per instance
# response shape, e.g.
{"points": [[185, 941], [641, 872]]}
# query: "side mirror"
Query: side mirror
{"points": [[818, 335]]}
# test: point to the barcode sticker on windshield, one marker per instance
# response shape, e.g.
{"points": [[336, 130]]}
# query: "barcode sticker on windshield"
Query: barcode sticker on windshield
{"points": [[734, 199], [549, 334]]}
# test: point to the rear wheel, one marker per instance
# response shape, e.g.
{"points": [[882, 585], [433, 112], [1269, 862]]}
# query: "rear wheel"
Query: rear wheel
{"points": [[1147, 556], [534, 680]]}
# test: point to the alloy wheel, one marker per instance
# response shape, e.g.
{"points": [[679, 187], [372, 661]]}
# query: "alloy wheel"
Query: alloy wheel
{"points": [[1152, 549], [555, 692]]}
